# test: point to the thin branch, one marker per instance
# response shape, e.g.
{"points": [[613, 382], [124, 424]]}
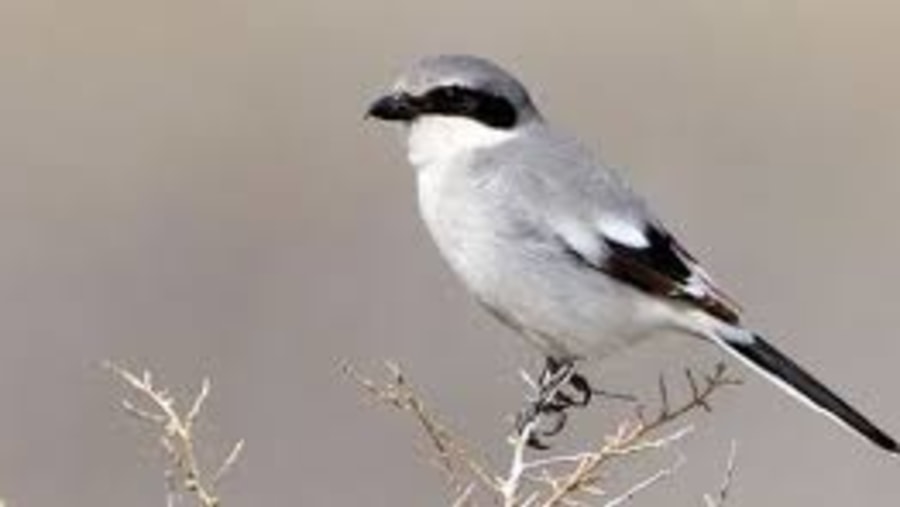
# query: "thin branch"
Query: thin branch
{"points": [[464, 498], [565, 480], [449, 451], [646, 483], [722, 496], [229, 462], [192, 414], [177, 436], [509, 487], [630, 437]]}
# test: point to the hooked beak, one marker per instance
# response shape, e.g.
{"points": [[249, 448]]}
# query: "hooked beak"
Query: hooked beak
{"points": [[394, 107]]}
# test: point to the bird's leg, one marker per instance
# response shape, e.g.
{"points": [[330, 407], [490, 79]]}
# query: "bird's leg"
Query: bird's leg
{"points": [[551, 402], [550, 406]]}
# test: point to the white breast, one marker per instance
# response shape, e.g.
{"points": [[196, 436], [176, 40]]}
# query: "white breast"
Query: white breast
{"points": [[439, 147]]}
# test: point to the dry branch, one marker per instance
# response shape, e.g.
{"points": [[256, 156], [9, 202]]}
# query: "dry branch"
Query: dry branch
{"points": [[719, 499], [564, 480], [452, 457], [177, 437]]}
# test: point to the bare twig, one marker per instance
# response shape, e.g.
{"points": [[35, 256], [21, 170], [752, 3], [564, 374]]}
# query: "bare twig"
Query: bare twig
{"points": [[563, 480], [465, 497], [646, 483], [451, 454], [719, 499], [509, 487], [631, 437], [177, 437], [228, 462]]}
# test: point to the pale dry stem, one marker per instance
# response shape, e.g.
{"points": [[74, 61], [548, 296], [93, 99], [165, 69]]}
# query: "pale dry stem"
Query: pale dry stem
{"points": [[721, 496], [454, 458], [177, 437], [564, 480], [631, 436], [646, 483]]}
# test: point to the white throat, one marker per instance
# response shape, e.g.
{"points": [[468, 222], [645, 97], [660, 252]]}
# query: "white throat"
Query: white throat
{"points": [[438, 139]]}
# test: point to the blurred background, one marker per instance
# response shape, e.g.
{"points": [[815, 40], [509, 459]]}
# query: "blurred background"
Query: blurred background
{"points": [[189, 186]]}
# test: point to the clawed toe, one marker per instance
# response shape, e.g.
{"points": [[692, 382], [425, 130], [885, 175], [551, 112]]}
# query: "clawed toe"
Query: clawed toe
{"points": [[549, 421], [551, 406], [583, 388]]}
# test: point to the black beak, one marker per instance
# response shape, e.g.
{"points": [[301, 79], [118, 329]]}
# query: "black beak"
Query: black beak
{"points": [[396, 107]]}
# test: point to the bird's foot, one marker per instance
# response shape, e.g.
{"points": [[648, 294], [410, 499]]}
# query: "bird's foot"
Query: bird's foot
{"points": [[560, 388]]}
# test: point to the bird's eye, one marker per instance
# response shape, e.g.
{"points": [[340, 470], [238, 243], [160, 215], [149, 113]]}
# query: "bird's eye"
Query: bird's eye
{"points": [[479, 105], [448, 94], [451, 100]]}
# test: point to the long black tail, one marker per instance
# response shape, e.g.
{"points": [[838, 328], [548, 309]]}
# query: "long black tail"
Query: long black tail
{"points": [[788, 374]]}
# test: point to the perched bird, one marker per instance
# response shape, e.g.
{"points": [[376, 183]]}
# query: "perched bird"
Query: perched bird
{"points": [[555, 243]]}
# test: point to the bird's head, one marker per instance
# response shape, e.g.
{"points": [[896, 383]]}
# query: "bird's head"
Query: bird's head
{"points": [[453, 103]]}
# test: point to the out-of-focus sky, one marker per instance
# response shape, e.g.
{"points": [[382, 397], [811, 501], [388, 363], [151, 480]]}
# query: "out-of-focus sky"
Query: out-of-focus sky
{"points": [[189, 186]]}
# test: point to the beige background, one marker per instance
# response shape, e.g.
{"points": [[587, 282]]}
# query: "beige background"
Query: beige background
{"points": [[189, 185]]}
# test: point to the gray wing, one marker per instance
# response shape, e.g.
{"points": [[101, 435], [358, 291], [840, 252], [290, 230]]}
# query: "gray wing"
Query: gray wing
{"points": [[615, 233], [603, 224]]}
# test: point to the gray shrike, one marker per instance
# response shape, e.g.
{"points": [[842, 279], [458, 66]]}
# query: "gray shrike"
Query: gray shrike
{"points": [[555, 243]]}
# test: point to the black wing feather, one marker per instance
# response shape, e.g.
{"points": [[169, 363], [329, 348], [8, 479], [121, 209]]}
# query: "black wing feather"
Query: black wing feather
{"points": [[664, 268]]}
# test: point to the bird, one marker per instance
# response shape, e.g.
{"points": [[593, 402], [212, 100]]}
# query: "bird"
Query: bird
{"points": [[557, 244]]}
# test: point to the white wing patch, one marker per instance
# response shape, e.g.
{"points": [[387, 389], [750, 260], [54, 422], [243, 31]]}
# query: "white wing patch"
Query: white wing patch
{"points": [[623, 231], [581, 238], [648, 256]]}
